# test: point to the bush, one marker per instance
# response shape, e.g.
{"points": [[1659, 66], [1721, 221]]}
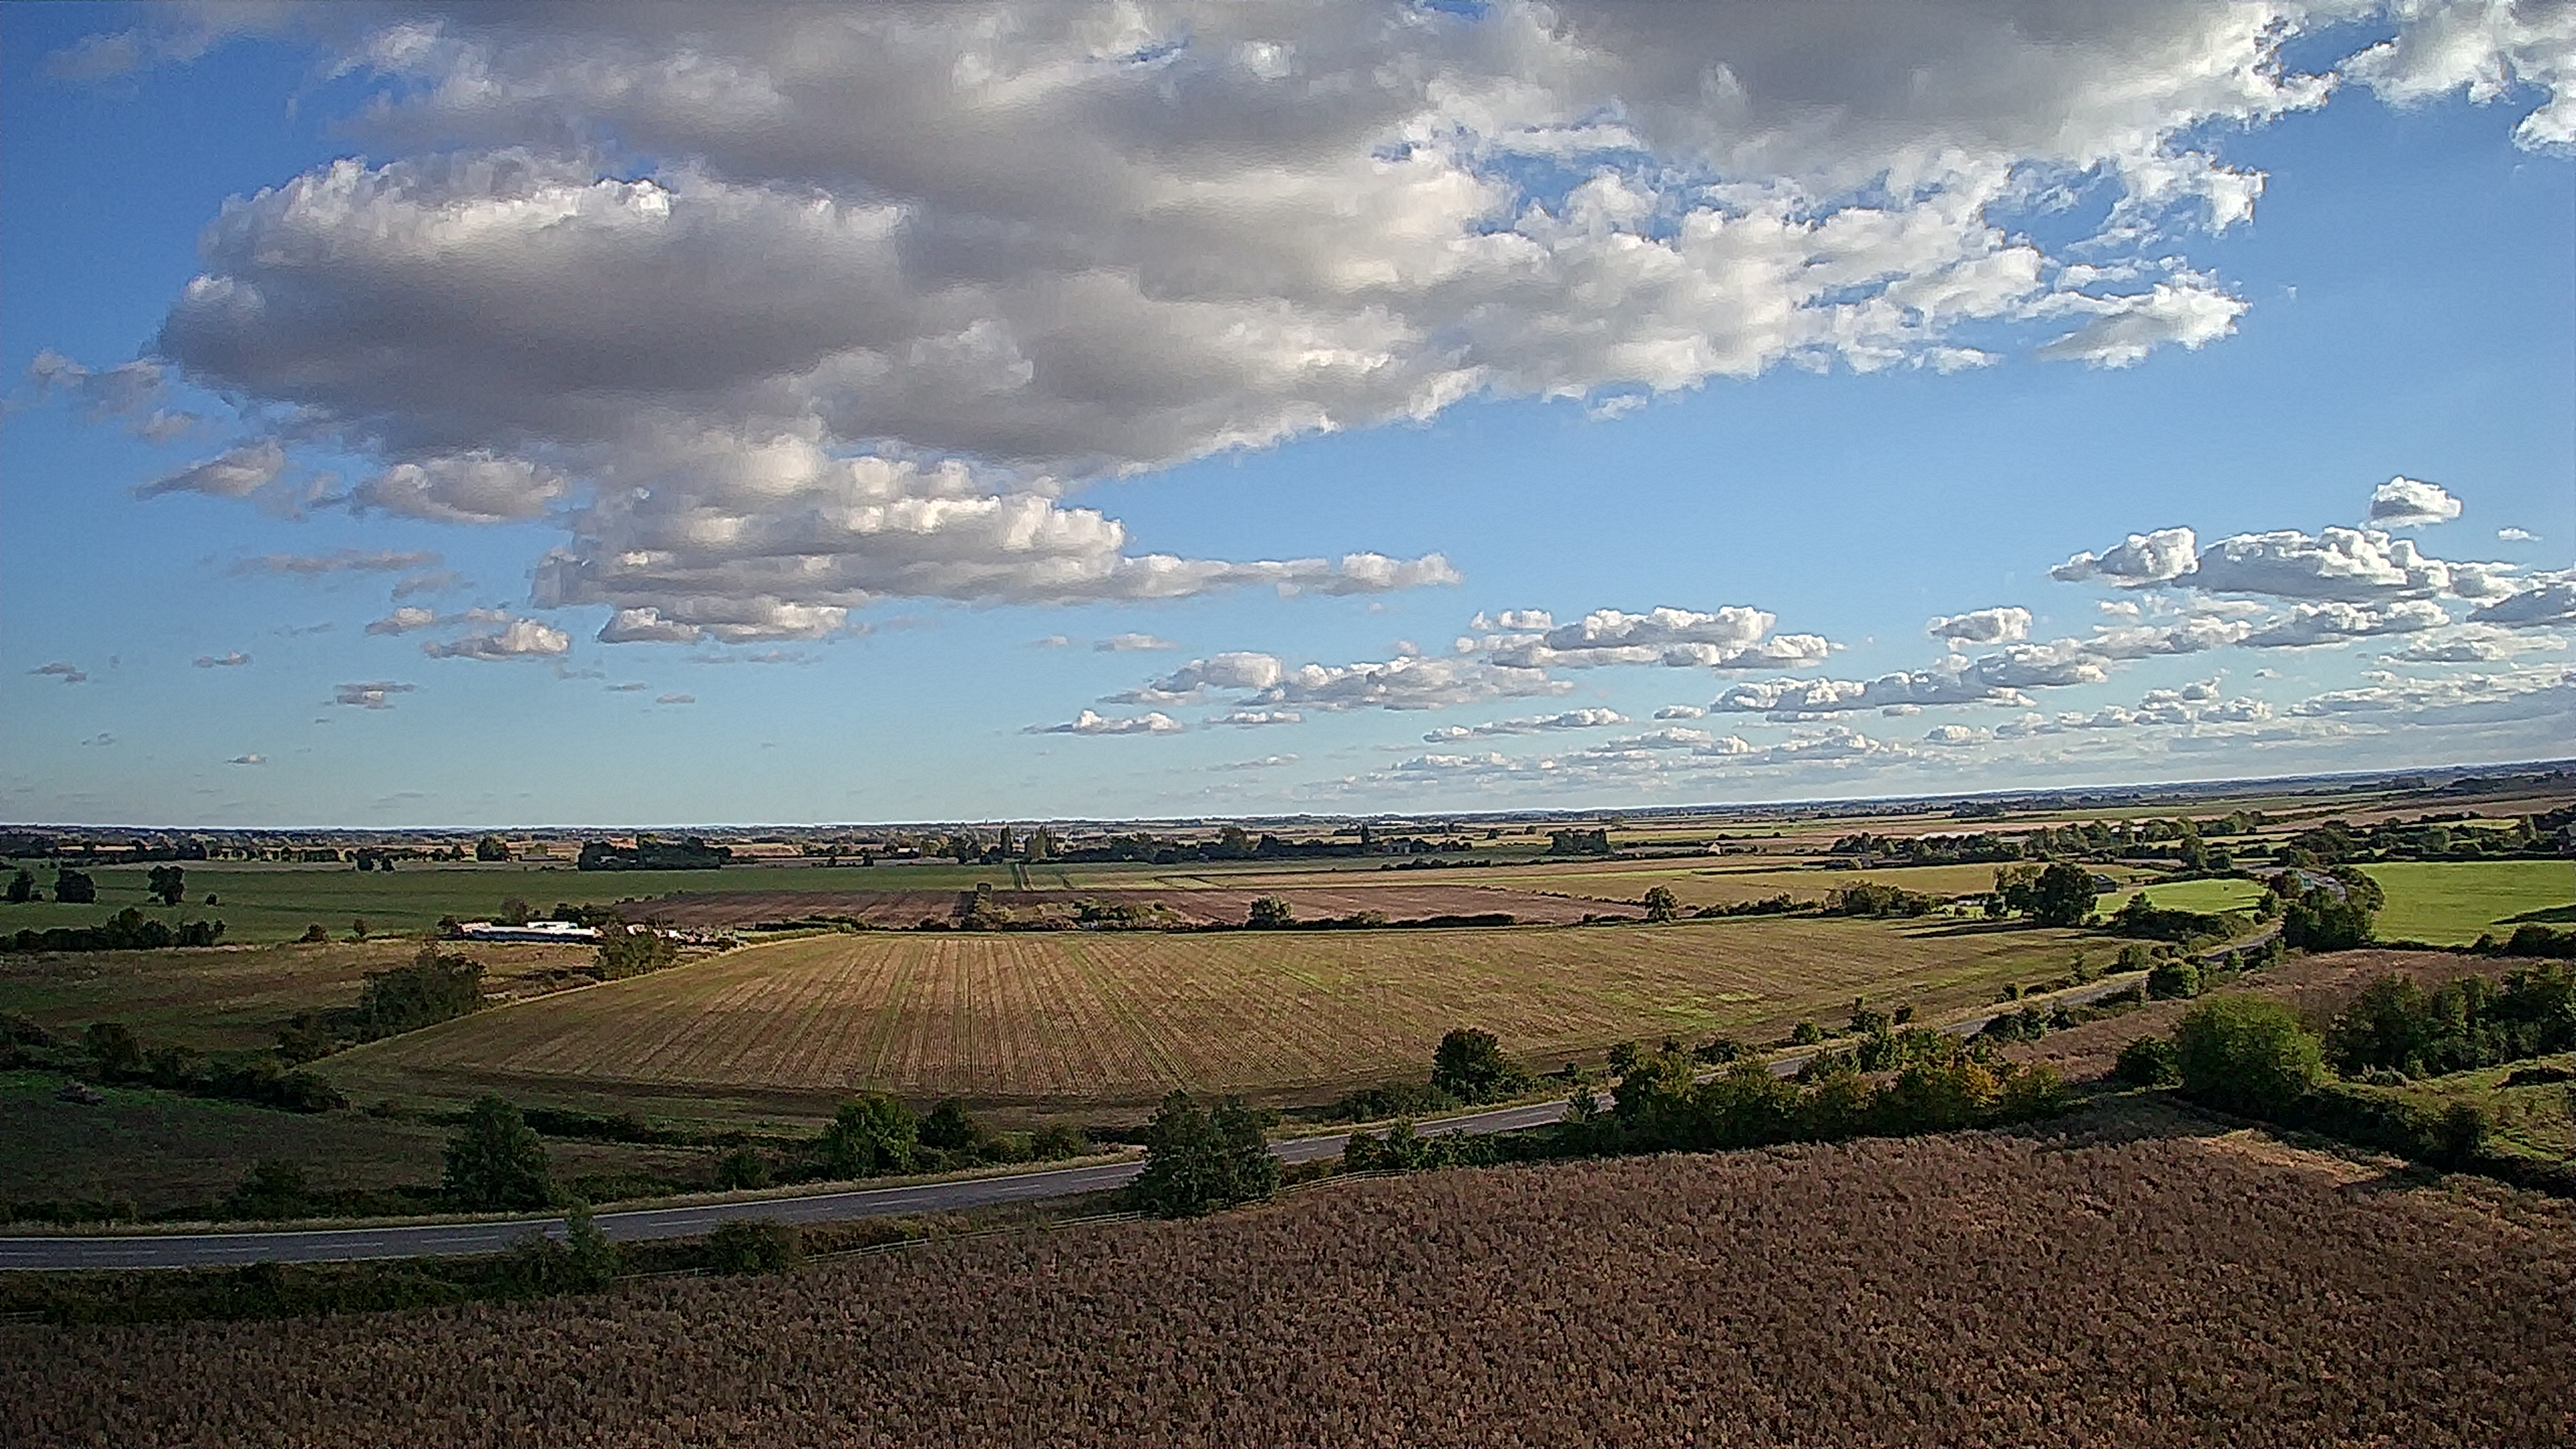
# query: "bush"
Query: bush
{"points": [[951, 1128], [1057, 1141], [2246, 1054], [2175, 980], [2148, 1061], [1270, 913], [269, 1192], [495, 1160], [872, 1134], [752, 1245], [742, 1168], [432, 989], [633, 951], [2318, 919]]}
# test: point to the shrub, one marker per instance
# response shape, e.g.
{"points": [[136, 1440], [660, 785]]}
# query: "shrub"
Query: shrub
{"points": [[2148, 1061], [633, 951], [741, 1168], [2246, 1054], [752, 1245], [431, 989], [2175, 980], [1270, 913], [1056, 1141], [951, 1128], [268, 1192], [872, 1134]]}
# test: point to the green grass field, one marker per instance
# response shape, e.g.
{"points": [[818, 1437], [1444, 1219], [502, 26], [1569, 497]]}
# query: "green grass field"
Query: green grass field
{"points": [[2191, 895], [2534, 1120], [1037, 1019], [2452, 903]]}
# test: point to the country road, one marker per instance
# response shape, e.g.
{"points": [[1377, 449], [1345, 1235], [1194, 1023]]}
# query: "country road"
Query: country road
{"points": [[73, 1251]]}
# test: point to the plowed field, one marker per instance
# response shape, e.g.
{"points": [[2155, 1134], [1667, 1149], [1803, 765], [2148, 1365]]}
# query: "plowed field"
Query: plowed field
{"points": [[2173, 1288], [1002, 1017]]}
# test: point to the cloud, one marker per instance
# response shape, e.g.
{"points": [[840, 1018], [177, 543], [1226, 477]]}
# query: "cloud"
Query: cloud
{"points": [[2404, 502], [2549, 599], [517, 639], [237, 473], [247, 760], [1573, 719], [1733, 637], [632, 686], [1132, 644], [1266, 762], [1680, 711], [437, 581], [1405, 684], [125, 391], [1089, 723], [412, 617], [2540, 693], [1256, 718], [1049, 244], [375, 695], [676, 699], [234, 660], [2487, 51], [346, 560], [2476, 644], [2004, 625], [2308, 625], [2517, 535], [59, 669], [472, 487], [100, 741], [2354, 565]]}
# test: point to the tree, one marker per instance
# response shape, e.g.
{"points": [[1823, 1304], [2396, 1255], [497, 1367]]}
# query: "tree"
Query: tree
{"points": [[74, 887], [491, 848], [1197, 1162], [1661, 905], [433, 988], [742, 1167], [2147, 1061], [633, 950], [2246, 1054], [315, 932], [2320, 919], [167, 884], [2062, 895], [873, 1133], [1470, 1066], [270, 1192], [515, 912], [495, 1160], [751, 1245], [1269, 913], [22, 888]]}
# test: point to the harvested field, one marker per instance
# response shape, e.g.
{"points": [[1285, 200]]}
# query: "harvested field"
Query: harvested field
{"points": [[2315, 986], [2137, 1281], [1216, 903], [239, 996], [1050, 1016]]}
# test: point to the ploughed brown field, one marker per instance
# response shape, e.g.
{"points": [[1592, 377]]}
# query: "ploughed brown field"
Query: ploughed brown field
{"points": [[1212, 905], [2142, 1280], [1058, 1016]]}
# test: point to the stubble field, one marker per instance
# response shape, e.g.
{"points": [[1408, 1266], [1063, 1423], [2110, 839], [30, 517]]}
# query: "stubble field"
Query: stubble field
{"points": [[2141, 1281], [1123, 1017]]}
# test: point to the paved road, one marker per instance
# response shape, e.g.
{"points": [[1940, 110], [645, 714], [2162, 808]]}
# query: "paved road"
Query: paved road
{"points": [[439, 1240]]}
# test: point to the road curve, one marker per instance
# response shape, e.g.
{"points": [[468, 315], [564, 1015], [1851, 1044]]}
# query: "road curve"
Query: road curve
{"points": [[66, 1252]]}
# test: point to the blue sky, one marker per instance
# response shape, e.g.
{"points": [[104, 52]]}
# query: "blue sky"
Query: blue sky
{"points": [[806, 416]]}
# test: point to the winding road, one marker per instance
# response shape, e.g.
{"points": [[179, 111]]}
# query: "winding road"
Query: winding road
{"points": [[74, 1251]]}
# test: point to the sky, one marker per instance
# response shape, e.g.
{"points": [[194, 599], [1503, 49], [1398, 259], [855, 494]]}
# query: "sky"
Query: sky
{"points": [[594, 415]]}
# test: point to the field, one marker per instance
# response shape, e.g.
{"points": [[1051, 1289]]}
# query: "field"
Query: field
{"points": [[2211, 896], [238, 997], [2452, 904], [2148, 1280], [1123, 1017]]}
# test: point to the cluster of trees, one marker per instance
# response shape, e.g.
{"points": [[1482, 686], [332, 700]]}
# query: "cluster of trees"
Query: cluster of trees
{"points": [[647, 853], [2326, 915], [2530, 939], [71, 887], [112, 1052], [2427, 837], [1928, 849], [1940, 1085], [633, 950], [1199, 1160], [432, 987], [2142, 919], [1876, 898], [2397, 1026], [1578, 842], [2060, 893], [127, 930]]}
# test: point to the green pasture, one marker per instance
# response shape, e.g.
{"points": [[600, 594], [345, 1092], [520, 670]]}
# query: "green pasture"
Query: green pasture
{"points": [[269, 901], [2451, 903], [2210, 896]]}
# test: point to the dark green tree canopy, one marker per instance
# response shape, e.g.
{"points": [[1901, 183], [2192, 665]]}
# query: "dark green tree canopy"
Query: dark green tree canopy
{"points": [[495, 1160]]}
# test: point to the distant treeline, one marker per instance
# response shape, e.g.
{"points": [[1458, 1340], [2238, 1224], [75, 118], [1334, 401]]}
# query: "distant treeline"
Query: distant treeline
{"points": [[690, 853], [127, 930]]}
